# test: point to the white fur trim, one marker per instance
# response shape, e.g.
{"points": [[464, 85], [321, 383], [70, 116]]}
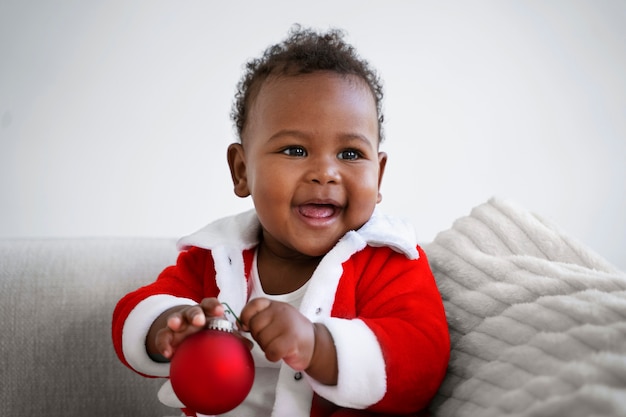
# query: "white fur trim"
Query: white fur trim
{"points": [[167, 396], [230, 276], [242, 232], [362, 375], [238, 232], [358, 386], [226, 238], [394, 232], [320, 295], [136, 329]]}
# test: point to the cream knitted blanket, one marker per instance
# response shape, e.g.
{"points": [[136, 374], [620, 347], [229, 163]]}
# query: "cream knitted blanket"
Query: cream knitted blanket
{"points": [[537, 320]]}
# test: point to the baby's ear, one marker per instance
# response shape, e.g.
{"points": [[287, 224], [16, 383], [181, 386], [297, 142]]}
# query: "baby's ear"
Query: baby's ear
{"points": [[382, 163], [237, 164]]}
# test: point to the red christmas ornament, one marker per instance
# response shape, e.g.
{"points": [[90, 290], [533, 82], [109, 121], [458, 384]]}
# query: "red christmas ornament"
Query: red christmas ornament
{"points": [[212, 371]]}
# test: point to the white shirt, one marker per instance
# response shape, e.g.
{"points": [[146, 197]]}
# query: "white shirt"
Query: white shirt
{"points": [[260, 401]]}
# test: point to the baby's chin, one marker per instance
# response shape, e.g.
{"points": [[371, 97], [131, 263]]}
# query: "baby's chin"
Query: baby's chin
{"points": [[307, 243], [319, 248]]}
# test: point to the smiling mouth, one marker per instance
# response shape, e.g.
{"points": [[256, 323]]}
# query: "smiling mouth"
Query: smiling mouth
{"points": [[318, 211]]}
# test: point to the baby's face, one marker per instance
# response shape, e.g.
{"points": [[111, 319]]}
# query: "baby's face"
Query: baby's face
{"points": [[310, 160]]}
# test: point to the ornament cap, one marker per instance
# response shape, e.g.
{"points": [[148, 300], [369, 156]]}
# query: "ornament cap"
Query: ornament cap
{"points": [[221, 324]]}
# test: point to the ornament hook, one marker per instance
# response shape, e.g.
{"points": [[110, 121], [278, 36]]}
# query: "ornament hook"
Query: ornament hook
{"points": [[230, 310]]}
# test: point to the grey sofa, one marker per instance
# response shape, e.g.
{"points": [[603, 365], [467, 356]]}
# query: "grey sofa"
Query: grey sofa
{"points": [[58, 296]]}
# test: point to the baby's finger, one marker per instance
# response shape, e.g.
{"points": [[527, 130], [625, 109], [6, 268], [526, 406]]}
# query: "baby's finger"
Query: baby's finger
{"points": [[251, 309], [212, 307], [195, 316], [163, 343], [175, 322]]}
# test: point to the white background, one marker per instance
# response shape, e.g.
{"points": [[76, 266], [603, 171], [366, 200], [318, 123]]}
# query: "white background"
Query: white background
{"points": [[114, 115]]}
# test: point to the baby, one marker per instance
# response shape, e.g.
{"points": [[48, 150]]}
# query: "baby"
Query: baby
{"points": [[336, 299]]}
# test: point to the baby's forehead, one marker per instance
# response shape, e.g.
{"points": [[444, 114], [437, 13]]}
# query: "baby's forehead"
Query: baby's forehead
{"points": [[314, 77], [308, 86], [276, 90]]}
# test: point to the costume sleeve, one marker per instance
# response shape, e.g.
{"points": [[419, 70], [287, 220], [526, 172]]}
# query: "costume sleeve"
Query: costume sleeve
{"points": [[187, 282], [390, 333]]}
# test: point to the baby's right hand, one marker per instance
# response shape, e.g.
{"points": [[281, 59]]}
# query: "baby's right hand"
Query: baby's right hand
{"points": [[181, 322]]}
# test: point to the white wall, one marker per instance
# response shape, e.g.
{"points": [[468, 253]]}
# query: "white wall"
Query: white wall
{"points": [[114, 115]]}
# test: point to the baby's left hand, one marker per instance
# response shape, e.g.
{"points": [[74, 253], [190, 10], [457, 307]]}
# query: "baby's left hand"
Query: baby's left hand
{"points": [[281, 331]]}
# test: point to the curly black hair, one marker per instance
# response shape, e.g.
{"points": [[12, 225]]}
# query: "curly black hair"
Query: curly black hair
{"points": [[304, 51]]}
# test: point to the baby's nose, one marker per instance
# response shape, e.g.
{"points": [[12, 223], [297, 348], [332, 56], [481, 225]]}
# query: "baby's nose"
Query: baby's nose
{"points": [[324, 171]]}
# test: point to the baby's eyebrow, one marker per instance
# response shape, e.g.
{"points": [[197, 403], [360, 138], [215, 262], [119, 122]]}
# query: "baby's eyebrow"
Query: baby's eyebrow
{"points": [[348, 137], [289, 133], [356, 137]]}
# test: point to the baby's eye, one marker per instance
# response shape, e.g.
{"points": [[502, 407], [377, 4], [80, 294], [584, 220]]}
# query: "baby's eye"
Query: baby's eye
{"points": [[349, 154], [297, 151]]}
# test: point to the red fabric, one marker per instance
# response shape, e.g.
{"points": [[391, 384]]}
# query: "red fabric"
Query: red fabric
{"points": [[396, 297]]}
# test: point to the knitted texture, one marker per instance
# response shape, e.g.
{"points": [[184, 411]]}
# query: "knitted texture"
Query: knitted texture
{"points": [[537, 320]]}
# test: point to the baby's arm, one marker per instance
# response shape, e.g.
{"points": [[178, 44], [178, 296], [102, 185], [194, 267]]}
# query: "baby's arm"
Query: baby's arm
{"points": [[185, 284], [282, 332], [176, 324]]}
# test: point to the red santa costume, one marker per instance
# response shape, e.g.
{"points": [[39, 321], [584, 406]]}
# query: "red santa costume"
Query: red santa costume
{"points": [[374, 291]]}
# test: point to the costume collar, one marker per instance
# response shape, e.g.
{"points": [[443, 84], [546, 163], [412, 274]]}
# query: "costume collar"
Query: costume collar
{"points": [[241, 232]]}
